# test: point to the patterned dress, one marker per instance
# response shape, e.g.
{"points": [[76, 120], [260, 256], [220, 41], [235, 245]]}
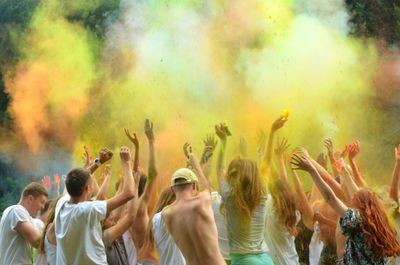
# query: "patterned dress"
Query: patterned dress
{"points": [[357, 250]]}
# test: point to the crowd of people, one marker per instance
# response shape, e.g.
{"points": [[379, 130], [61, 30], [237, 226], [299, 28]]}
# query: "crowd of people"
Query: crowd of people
{"points": [[255, 215]]}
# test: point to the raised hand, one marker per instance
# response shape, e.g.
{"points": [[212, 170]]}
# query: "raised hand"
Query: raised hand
{"points": [[281, 147], [300, 161], [322, 160], [354, 149], [132, 137], [125, 154], [57, 181], [88, 157], [222, 131], [187, 149], [210, 142], [329, 146], [46, 180], [148, 129], [279, 123], [105, 155]]}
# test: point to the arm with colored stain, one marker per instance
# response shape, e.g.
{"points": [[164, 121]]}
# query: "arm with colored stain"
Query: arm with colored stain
{"points": [[394, 189]]}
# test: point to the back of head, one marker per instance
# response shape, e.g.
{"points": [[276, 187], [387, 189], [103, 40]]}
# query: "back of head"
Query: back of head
{"points": [[247, 190], [284, 203], [76, 181], [183, 179], [35, 190], [376, 228]]}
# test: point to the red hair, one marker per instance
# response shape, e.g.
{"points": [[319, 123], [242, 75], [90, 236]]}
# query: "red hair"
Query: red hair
{"points": [[285, 206], [378, 233]]}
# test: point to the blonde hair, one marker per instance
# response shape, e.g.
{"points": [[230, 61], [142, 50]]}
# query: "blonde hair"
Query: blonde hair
{"points": [[247, 190]]}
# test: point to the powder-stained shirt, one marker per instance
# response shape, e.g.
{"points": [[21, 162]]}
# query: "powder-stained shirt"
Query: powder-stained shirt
{"points": [[357, 251]]}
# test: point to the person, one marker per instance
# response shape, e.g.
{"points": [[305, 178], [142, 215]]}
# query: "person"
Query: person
{"points": [[159, 236], [141, 201], [47, 248], [369, 237], [244, 198], [190, 219], [17, 230], [78, 220]]}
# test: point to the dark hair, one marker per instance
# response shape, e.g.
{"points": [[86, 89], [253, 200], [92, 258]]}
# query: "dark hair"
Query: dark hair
{"points": [[35, 189], [76, 181]]}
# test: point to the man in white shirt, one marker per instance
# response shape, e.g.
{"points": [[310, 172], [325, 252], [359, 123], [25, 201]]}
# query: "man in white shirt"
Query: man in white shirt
{"points": [[17, 230], [77, 222]]}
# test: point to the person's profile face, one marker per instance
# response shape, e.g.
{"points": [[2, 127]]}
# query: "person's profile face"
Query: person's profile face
{"points": [[37, 204]]}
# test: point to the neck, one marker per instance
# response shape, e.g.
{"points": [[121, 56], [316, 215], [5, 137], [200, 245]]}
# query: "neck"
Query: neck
{"points": [[76, 200], [183, 195], [25, 205]]}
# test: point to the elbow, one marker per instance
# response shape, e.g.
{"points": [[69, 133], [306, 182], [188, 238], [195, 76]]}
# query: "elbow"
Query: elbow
{"points": [[129, 195]]}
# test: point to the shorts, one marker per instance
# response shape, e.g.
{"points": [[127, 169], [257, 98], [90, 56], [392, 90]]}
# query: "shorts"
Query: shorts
{"points": [[251, 259]]}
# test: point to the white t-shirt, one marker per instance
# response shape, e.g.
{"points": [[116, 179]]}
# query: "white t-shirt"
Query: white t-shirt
{"points": [[78, 232], [220, 221], [168, 250], [282, 248], [130, 248], [38, 224], [14, 249]]}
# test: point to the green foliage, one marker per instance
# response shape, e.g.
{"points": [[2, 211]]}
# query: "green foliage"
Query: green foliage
{"points": [[378, 19], [10, 185]]}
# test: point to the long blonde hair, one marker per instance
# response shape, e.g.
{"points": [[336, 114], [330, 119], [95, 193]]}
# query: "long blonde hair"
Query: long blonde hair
{"points": [[247, 190]]}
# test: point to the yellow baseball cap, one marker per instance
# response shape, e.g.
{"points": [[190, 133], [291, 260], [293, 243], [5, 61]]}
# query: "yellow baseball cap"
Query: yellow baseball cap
{"points": [[185, 176]]}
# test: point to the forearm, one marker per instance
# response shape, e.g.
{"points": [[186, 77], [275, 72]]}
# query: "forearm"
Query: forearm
{"points": [[328, 179], [328, 194], [357, 174], [102, 194], [221, 161], [282, 169], [152, 171], [394, 189], [351, 186], [303, 204], [129, 182], [268, 151], [136, 159]]}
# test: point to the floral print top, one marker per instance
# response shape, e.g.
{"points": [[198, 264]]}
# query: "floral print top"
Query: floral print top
{"points": [[357, 251]]}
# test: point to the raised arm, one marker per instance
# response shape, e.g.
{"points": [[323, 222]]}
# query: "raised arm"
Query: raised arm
{"points": [[354, 149], [394, 189], [280, 151], [333, 184], [329, 147], [210, 143], [133, 138], [302, 162], [204, 182], [347, 179], [104, 156], [128, 189], [102, 194], [222, 132], [152, 171], [302, 203], [266, 164], [116, 231]]}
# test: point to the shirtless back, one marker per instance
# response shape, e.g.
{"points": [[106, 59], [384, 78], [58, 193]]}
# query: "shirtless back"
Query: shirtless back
{"points": [[190, 220]]}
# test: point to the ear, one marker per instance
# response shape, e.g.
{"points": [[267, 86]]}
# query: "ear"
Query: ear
{"points": [[172, 189]]}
